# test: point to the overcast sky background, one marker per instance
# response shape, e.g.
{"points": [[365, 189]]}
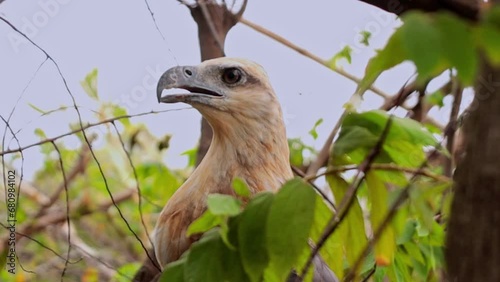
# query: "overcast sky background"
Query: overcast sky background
{"points": [[120, 39]]}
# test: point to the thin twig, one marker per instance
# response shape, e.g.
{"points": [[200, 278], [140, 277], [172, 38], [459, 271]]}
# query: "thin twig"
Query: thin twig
{"points": [[349, 197], [40, 244], [81, 245], [54, 218], [457, 91], [392, 211], [84, 134], [370, 274], [382, 166], [22, 166], [138, 188], [324, 153], [325, 197], [79, 168], [65, 182], [48, 140], [153, 18], [309, 55]]}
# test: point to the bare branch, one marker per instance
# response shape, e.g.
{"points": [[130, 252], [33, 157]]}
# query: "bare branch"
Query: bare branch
{"points": [[79, 168], [138, 188], [310, 181], [211, 26], [7, 125], [40, 244], [153, 18], [242, 9], [54, 218], [466, 9], [309, 55], [90, 125], [65, 184], [452, 125], [85, 250]]}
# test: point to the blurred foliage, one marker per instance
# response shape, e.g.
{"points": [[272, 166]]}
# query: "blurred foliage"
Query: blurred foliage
{"points": [[110, 250], [263, 237]]}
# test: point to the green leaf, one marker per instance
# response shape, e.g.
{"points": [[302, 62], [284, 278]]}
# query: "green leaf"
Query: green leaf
{"points": [[191, 154], [352, 138], [488, 38], [241, 187], [414, 251], [220, 204], [156, 181], [403, 145], [40, 133], [297, 148], [89, 84], [345, 53], [421, 40], [332, 251], [456, 38], [385, 247], [125, 271], [288, 226], [210, 260], [313, 131], [252, 235], [174, 272], [37, 109], [390, 56], [365, 37], [352, 229], [408, 232], [119, 111], [436, 98], [204, 223], [492, 17]]}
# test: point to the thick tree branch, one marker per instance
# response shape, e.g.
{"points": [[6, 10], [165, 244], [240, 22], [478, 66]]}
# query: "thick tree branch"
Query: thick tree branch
{"points": [[214, 22], [473, 248], [464, 8]]}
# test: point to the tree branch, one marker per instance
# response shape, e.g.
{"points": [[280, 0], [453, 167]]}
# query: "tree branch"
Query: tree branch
{"points": [[348, 198], [90, 125], [463, 8], [392, 212], [384, 166], [309, 55], [452, 125]]}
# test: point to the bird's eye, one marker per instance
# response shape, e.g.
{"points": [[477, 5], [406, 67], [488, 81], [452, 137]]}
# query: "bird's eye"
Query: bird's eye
{"points": [[231, 75]]}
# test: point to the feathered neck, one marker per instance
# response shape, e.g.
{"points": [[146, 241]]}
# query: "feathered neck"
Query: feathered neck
{"points": [[255, 150]]}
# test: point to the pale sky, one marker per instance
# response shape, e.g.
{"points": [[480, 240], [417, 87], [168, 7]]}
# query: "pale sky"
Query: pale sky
{"points": [[120, 39]]}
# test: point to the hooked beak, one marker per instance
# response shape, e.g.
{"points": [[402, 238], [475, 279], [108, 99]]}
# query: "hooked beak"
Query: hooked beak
{"points": [[185, 84]]}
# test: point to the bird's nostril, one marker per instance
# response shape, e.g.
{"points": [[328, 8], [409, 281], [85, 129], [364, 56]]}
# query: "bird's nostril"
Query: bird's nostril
{"points": [[188, 72]]}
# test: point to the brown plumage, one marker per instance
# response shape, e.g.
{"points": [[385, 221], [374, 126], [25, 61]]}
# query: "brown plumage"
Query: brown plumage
{"points": [[249, 141]]}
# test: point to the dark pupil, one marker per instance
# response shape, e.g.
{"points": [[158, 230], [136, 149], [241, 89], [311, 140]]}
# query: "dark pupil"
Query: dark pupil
{"points": [[232, 75]]}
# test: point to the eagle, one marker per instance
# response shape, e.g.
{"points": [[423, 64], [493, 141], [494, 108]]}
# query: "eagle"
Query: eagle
{"points": [[249, 142]]}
